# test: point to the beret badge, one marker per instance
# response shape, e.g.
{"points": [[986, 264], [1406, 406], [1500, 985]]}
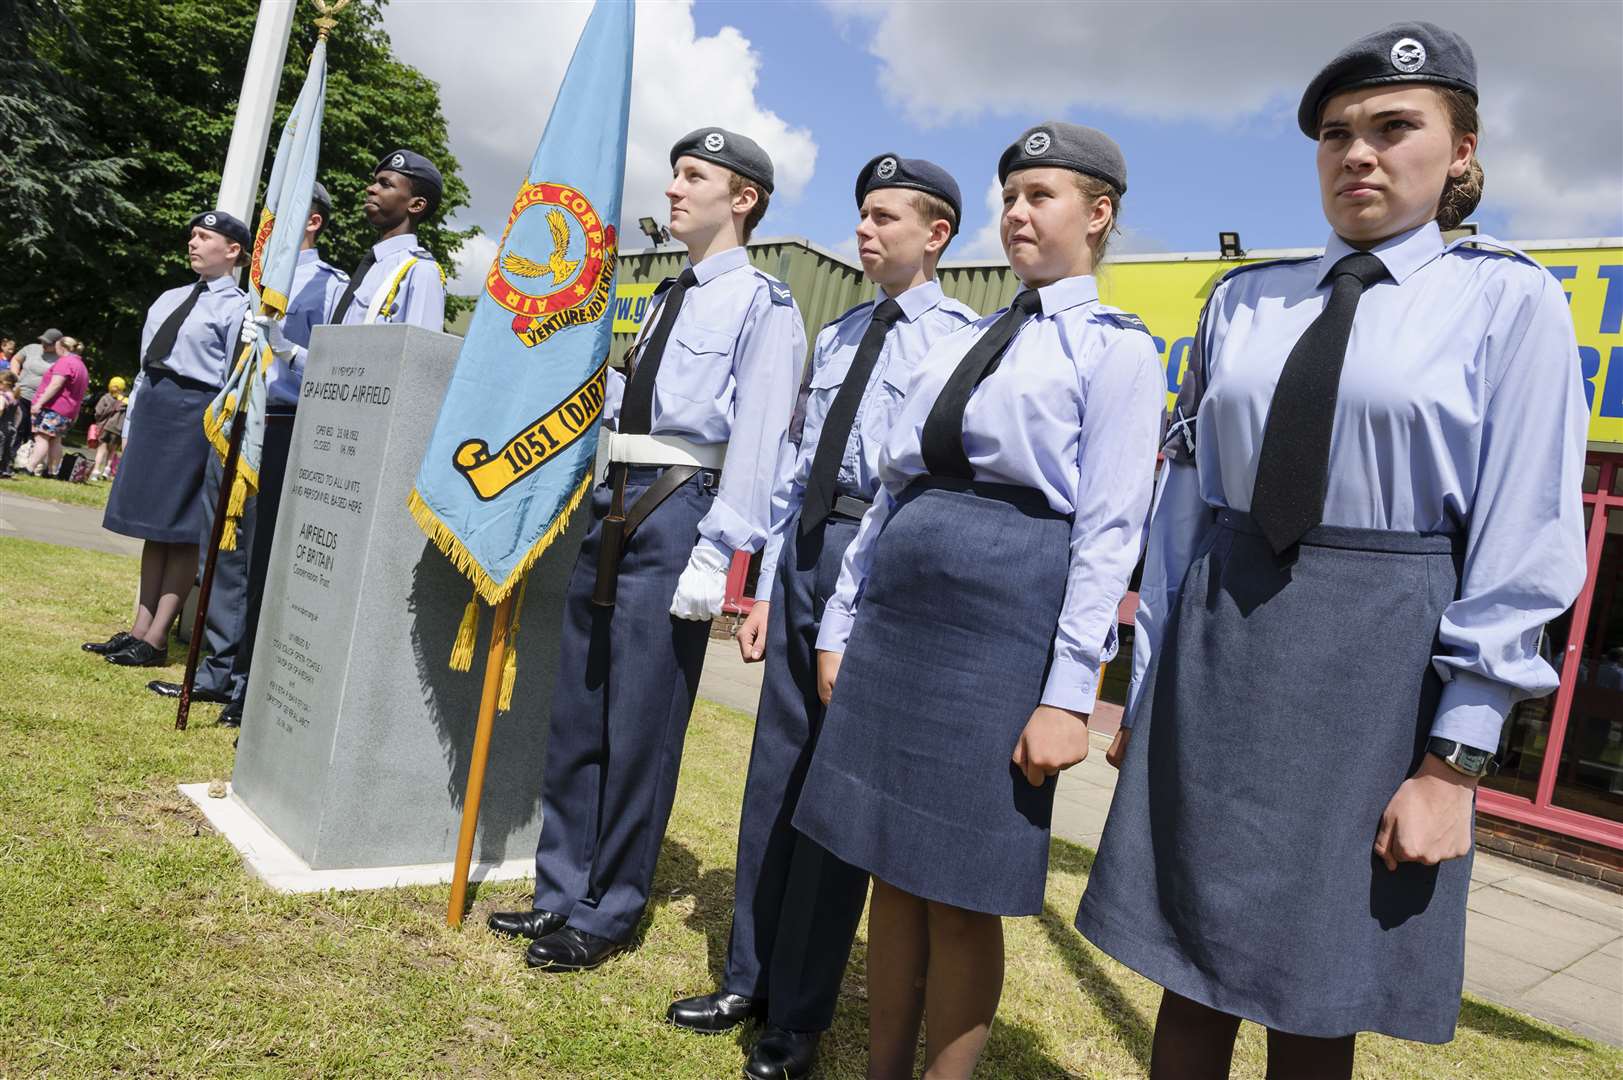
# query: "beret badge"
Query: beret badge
{"points": [[1408, 55], [713, 142], [1038, 143]]}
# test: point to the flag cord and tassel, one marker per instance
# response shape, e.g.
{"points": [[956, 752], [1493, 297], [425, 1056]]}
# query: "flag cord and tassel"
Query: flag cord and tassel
{"points": [[466, 636], [495, 664], [510, 664]]}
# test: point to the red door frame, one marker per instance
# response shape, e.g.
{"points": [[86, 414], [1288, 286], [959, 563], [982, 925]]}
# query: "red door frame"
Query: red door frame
{"points": [[1539, 810]]}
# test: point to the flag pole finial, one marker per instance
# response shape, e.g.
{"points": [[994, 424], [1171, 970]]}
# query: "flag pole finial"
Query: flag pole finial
{"points": [[328, 13]]}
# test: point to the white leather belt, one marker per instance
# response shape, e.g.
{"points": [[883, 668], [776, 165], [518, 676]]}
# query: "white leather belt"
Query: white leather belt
{"points": [[657, 450]]}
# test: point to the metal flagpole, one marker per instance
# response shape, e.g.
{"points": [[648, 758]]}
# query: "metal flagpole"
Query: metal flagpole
{"points": [[250, 132], [495, 658]]}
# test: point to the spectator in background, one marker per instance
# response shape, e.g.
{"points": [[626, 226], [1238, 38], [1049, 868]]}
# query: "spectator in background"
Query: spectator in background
{"points": [[8, 349], [10, 415], [30, 364], [56, 406], [110, 411]]}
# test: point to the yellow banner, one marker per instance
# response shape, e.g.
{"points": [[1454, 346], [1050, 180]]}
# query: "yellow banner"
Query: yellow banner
{"points": [[631, 300], [491, 474], [1168, 296]]}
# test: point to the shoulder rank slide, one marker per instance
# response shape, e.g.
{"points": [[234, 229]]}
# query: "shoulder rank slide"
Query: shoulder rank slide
{"points": [[780, 293], [1124, 319]]}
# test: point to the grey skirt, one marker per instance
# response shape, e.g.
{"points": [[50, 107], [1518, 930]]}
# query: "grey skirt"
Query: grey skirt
{"points": [[158, 492], [1284, 709], [911, 779]]}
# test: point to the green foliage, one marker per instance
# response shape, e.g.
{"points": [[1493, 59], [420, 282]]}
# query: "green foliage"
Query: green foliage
{"points": [[160, 80]]}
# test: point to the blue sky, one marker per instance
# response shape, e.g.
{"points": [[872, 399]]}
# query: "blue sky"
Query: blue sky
{"points": [[1201, 96]]}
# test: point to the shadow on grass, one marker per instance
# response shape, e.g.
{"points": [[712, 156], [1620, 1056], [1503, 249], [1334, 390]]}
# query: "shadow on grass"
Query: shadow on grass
{"points": [[678, 876], [1501, 1023], [1133, 1030]]}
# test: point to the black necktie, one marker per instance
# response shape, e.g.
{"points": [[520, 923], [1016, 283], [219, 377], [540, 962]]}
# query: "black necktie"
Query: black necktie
{"points": [[943, 439], [355, 280], [637, 407], [1293, 469], [825, 468], [163, 342]]}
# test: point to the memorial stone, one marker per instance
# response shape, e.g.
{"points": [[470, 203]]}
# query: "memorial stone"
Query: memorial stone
{"points": [[356, 734]]}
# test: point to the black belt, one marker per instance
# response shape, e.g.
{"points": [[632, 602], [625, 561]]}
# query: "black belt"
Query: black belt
{"points": [[619, 523], [154, 374], [280, 414], [849, 506]]}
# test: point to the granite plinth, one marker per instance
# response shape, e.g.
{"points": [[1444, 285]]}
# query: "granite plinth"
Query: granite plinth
{"points": [[356, 734]]}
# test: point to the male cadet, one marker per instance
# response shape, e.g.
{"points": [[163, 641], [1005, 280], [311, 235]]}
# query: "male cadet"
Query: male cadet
{"points": [[796, 907], [714, 379], [239, 575], [398, 281]]}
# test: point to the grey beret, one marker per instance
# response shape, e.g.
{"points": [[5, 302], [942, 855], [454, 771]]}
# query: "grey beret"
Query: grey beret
{"points": [[1405, 52], [412, 164], [227, 225], [728, 149], [320, 198], [890, 171], [1066, 146]]}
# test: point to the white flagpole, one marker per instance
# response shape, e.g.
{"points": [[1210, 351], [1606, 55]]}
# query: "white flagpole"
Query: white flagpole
{"points": [[250, 133]]}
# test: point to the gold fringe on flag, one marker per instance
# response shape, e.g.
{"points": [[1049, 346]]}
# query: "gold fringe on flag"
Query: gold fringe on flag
{"points": [[467, 634], [233, 512], [510, 664], [488, 587]]}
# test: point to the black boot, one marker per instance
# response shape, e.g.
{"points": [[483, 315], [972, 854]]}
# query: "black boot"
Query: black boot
{"points": [[781, 1054], [139, 654], [530, 924], [715, 1012], [199, 693], [570, 949], [111, 645]]}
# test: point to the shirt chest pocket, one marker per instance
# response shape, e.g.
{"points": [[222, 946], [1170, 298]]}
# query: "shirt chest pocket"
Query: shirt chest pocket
{"points": [[697, 366]]}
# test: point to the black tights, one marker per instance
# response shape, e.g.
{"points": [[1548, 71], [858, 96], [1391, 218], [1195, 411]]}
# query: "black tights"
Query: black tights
{"points": [[1193, 1042]]}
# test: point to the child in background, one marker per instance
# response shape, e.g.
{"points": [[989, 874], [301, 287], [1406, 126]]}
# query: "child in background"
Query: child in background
{"points": [[10, 417], [110, 409]]}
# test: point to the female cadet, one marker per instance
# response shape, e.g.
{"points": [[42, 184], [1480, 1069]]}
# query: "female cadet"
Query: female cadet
{"points": [[186, 347], [976, 603], [1350, 559]]}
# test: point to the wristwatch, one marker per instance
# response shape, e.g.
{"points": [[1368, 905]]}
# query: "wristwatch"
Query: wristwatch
{"points": [[1461, 758]]}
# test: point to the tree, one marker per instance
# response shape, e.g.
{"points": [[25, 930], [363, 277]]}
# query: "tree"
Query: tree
{"points": [[161, 80]]}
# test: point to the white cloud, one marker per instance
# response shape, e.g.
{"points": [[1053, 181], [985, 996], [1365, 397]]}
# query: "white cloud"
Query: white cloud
{"points": [[1549, 75], [985, 242], [488, 54], [472, 263]]}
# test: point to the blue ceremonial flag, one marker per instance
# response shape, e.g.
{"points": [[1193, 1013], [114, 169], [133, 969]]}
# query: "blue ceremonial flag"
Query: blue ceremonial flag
{"points": [[511, 455], [277, 241]]}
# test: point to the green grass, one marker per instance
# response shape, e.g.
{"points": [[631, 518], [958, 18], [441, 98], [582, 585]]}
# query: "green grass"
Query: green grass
{"points": [[132, 941], [92, 493]]}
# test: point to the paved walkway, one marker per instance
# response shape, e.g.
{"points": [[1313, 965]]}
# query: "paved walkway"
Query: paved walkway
{"points": [[1539, 944], [1542, 945], [60, 523]]}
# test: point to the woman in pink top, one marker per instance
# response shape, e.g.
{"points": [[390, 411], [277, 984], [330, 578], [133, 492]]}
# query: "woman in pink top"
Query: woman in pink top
{"points": [[56, 406]]}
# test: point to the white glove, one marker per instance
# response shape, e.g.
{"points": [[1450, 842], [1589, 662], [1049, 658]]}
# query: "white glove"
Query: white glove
{"points": [[278, 341], [702, 586]]}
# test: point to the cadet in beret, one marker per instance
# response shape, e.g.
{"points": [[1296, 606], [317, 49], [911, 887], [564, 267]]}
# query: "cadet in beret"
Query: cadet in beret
{"points": [[187, 347], [398, 281], [239, 574], [795, 907], [1376, 454], [712, 378], [960, 654]]}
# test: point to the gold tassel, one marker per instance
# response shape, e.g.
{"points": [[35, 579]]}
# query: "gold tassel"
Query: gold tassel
{"points": [[510, 664], [239, 498], [228, 534], [466, 635]]}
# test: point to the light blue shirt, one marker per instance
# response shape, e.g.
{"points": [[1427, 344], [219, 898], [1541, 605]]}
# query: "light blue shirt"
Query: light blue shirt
{"points": [[420, 300], [206, 347], [317, 287], [729, 375], [1074, 411], [927, 315], [1461, 409]]}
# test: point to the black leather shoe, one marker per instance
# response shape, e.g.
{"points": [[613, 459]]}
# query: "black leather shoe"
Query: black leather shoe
{"points": [[783, 1055], [570, 949], [139, 654], [199, 693], [111, 645], [231, 715], [530, 924], [715, 1012]]}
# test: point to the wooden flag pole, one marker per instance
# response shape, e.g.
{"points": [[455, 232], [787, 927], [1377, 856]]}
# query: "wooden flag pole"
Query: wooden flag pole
{"points": [[495, 658], [228, 476]]}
